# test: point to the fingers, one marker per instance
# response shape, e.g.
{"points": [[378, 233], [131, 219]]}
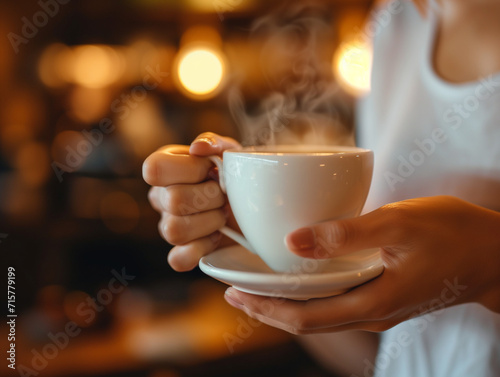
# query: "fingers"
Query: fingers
{"points": [[181, 164], [357, 309], [154, 195], [186, 257], [181, 200], [191, 206], [173, 165], [293, 316], [379, 228], [179, 230], [208, 143]]}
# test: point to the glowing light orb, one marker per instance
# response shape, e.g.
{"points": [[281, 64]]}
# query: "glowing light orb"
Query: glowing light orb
{"points": [[352, 67], [200, 71], [95, 66]]}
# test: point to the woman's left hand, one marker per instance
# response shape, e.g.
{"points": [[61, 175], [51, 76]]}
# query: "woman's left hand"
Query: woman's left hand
{"points": [[437, 252]]}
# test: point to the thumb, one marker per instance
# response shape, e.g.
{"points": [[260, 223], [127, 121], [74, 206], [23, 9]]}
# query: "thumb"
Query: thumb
{"points": [[209, 143], [337, 237]]}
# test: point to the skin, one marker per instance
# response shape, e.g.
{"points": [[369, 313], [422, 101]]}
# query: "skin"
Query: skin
{"points": [[178, 173], [415, 236], [466, 45]]}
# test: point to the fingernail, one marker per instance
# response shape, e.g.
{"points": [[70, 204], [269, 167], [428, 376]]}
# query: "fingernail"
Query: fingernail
{"points": [[301, 239], [207, 140], [232, 300]]}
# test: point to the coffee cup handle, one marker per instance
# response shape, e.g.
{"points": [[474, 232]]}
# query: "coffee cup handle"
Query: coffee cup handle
{"points": [[234, 235]]}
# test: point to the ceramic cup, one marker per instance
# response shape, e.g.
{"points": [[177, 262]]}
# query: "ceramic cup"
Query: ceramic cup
{"points": [[274, 190]]}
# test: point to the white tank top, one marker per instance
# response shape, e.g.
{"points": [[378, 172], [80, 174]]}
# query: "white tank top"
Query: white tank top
{"points": [[431, 137]]}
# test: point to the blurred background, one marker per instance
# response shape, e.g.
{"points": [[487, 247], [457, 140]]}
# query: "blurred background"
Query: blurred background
{"points": [[88, 89]]}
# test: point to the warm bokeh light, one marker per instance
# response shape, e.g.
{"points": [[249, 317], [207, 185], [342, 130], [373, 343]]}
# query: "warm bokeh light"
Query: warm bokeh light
{"points": [[221, 7], [96, 66], [142, 55], [352, 66], [154, 131], [101, 66], [200, 71], [53, 65]]}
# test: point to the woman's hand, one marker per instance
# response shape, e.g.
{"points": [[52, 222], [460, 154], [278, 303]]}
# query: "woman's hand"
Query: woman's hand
{"points": [[192, 206], [437, 252]]}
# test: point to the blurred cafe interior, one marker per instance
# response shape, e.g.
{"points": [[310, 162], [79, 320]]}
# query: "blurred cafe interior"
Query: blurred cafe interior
{"points": [[88, 90]]}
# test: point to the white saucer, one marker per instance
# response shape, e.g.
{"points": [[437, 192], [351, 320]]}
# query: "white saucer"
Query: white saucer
{"points": [[246, 272]]}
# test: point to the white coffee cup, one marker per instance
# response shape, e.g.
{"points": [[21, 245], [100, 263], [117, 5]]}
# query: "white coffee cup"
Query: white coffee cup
{"points": [[274, 190]]}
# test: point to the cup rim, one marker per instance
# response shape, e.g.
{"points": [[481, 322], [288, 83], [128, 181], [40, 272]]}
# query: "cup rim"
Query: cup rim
{"points": [[302, 150]]}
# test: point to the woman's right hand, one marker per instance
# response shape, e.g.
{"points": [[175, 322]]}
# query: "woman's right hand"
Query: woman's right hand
{"points": [[192, 205]]}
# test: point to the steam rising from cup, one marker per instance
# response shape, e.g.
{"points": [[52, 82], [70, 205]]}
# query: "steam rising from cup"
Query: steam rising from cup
{"points": [[304, 105]]}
